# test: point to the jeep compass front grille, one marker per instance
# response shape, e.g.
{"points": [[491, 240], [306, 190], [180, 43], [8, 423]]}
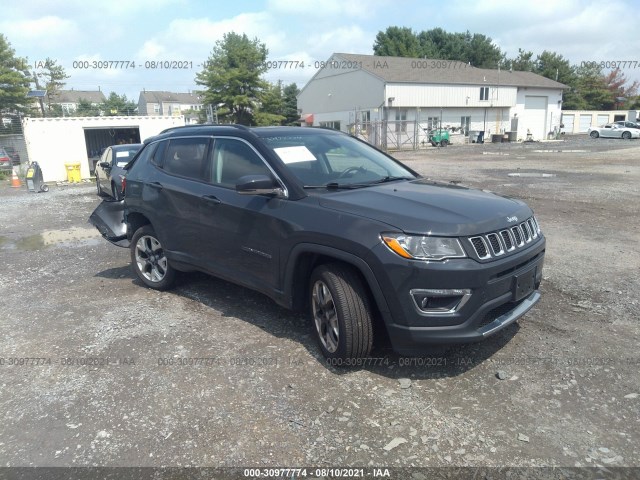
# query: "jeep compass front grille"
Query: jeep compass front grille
{"points": [[495, 244]]}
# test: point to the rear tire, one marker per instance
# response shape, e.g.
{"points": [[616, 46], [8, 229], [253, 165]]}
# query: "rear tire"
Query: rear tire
{"points": [[340, 313], [594, 134], [149, 261]]}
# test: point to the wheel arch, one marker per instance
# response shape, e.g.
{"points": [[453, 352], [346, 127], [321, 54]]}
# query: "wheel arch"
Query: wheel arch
{"points": [[135, 220], [304, 258]]}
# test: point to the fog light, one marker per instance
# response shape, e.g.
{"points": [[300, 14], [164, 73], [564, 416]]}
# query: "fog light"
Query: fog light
{"points": [[439, 302]]}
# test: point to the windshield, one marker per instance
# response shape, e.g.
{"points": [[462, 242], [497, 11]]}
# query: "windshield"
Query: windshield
{"points": [[327, 160]]}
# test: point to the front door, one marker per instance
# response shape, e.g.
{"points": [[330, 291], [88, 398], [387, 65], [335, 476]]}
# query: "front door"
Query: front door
{"points": [[241, 234]]}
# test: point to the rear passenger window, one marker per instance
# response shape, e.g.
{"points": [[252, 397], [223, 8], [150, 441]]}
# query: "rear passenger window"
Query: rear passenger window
{"points": [[187, 157], [157, 152]]}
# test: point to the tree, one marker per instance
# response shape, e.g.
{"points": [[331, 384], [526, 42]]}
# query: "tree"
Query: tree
{"points": [[591, 90], [522, 63], [53, 76], [476, 49], [290, 104], [481, 52], [87, 109], [118, 105], [397, 42], [232, 77], [271, 105], [620, 87], [554, 66], [14, 80]]}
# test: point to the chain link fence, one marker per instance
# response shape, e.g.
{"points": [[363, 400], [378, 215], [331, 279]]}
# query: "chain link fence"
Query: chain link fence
{"points": [[398, 134], [12, 140]]}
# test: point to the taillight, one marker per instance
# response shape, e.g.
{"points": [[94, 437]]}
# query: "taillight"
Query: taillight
{"points": [[124, 183]]}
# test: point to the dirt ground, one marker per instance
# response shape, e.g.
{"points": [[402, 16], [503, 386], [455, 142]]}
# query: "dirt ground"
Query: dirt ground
{"points": [[95, 369]]}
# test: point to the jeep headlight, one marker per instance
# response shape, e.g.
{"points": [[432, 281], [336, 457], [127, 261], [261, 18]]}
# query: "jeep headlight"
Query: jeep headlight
{"points": [[418, 247]]}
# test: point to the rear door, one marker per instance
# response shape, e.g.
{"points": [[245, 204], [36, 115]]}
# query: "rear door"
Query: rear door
{"points": [[174, 195]]}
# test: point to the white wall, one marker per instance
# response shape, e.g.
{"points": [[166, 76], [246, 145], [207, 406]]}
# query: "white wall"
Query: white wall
{"points": [[553, 111], [597, 117], [449, 95], [344, 91], [52, 142]]}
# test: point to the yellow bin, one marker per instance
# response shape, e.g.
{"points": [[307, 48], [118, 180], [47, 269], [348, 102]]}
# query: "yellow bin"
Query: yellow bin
{"points": [[73, 172]]}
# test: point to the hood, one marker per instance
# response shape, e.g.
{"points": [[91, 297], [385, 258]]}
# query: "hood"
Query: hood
{"points": [[426, 207]]}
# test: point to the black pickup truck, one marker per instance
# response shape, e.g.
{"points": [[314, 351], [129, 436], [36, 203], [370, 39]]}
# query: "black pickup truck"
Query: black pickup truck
{"points": [[321, 221]]}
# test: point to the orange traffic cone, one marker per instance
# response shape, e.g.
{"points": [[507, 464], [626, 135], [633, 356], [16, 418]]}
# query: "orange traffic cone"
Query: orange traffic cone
{"points": [[15, 181]]}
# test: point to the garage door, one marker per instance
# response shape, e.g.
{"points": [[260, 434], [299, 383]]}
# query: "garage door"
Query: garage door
{"points": [[585, 123], [603, 119], [568, 121], [535, 117]]}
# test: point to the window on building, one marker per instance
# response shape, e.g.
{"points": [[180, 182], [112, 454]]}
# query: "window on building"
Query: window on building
{"points": [[484, 93], [433, 122], [335, 124], [465, 122], [156, 108], [401, 120]]}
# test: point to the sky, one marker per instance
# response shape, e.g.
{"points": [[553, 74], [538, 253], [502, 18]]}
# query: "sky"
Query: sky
{"points": [[184, 32]]}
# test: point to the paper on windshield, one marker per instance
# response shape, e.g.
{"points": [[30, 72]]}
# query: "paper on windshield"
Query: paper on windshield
{"points": [[122, 154], [295, 154]]}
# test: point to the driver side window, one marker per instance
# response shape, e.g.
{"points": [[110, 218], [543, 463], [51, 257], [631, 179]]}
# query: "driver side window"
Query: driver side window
{"points": [[233, 159]]}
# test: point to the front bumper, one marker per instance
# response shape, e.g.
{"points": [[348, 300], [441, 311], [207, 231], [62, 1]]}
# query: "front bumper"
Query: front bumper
{"points": [[501, 292]]}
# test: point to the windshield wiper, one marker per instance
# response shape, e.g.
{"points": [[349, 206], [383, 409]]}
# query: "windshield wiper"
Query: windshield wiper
{"points": [[348, 186], [338, 186], [389, 179]]}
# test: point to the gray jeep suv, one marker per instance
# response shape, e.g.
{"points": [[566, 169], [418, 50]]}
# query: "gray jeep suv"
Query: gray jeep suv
{"points": [[321, 221]]}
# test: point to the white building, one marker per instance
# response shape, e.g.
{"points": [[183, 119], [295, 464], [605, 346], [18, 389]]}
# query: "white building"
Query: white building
{"points": [[167, 103], [70, 99], [364, 94], [55, 142]]}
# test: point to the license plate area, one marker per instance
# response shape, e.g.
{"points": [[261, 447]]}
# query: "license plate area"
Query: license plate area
{"points": [[524, 284]]}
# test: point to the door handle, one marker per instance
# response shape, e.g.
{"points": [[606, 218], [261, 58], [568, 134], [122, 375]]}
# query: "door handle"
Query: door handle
{"points": [[156, 185], [212, 199]]}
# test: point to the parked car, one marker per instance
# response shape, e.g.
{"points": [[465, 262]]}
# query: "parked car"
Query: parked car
{"points": [[13, 153], [5, 160], [612, 130], [627, 124], [321, 221], [109, 168]]}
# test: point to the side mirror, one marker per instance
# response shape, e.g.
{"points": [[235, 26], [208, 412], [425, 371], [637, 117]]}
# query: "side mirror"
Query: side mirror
{"points": [[258, 185], [104, 164]]}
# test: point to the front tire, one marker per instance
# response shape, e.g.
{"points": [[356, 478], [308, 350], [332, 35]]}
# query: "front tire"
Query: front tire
{"points": [[626, 135], [98, 187], [594, 134], [340, 312], [149, 261], [444, 143]]}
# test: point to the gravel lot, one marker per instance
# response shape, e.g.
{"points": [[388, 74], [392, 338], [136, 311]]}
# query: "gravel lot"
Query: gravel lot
{"points": [[110, 378]]}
